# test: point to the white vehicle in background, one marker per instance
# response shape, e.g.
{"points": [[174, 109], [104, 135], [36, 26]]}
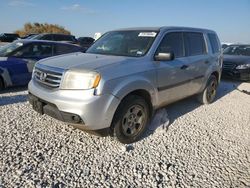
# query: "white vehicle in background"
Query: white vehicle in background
{"points": [[224, 45], [97, 36]]}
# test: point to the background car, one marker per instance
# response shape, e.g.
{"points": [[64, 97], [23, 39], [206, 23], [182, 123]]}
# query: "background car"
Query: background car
{"points": [[224, 45], [85, 42], [56, 37], [8, 37], [236, 62], [18, 59], [29, 36]]}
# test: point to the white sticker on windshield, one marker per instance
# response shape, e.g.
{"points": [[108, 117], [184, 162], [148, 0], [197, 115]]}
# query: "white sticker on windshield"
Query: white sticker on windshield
{"points": [[147, 34]]}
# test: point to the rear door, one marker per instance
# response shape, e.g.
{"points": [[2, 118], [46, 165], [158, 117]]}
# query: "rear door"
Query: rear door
{"points": [[199, 59], [172, 75]]}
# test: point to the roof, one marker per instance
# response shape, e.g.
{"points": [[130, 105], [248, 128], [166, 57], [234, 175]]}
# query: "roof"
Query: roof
{"points": [[54, 34], [25, 41], [163, 28]]}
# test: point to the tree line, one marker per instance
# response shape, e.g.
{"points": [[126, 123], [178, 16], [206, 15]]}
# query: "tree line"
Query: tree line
{"points": [[37, 28]]}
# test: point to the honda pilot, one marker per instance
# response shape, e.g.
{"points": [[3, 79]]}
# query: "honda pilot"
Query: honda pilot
{"points": [[125, 76]]}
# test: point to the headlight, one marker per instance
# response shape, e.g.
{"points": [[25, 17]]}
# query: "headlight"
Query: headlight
{"points": [[80, 80], [244, 66]]}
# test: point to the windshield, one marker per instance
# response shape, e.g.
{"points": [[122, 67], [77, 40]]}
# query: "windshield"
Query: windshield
{"points": [[9, 48], [124, 43], [238, 50]]}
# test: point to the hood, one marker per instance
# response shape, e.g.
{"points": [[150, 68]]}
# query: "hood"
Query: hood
{"points": [[82, 61], [236, 59]]}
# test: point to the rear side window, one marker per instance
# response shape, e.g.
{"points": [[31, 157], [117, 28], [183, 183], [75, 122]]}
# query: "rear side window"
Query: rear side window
{"points": [[172, 42], [64, 49], [214, 42], [194, 44]]}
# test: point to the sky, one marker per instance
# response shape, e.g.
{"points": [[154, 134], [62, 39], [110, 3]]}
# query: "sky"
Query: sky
{"points": [[229, 18]]}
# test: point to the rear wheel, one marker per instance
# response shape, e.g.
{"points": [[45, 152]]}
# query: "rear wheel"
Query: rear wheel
{"points": [[209, 93], [131, 119]]}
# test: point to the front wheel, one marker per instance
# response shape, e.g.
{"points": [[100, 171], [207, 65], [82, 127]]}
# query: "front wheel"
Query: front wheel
{"points": [[208, 94], [131, 119]]}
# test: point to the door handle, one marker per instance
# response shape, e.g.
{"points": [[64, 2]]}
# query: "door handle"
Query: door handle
{"points": [[184, 67], [207, 62]]}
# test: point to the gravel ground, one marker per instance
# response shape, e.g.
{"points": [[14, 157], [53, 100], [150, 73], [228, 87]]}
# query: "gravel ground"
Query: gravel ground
{"points": [[201, 146]]}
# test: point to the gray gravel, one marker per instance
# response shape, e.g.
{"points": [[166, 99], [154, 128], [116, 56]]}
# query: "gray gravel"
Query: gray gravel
{"points": [[201, 146]]}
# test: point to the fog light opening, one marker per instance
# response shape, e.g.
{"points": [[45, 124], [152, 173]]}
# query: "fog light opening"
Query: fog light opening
{"points": [[76, 119]]}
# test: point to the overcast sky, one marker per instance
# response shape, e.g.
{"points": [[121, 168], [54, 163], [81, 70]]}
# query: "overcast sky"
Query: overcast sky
{"points": [[229, 18]]}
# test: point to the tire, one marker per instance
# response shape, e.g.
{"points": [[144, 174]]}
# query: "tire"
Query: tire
{"points": [[208, 94], [131, 119], [1, 84]]}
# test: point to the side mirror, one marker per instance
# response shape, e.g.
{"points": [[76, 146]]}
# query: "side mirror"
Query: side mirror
{"points": [[164, 56]]}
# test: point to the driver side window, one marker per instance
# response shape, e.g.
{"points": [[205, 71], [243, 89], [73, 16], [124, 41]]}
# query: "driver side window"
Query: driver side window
{"points": [[172, 42]]}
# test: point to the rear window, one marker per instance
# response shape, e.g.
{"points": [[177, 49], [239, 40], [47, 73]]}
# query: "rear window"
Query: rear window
{"points": [[214, 42], [63, 38], [194, 44], [11, 35]]}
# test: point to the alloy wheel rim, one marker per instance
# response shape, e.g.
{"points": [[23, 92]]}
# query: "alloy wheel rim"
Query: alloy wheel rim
{"points": [[133, 120], [211, 91]]}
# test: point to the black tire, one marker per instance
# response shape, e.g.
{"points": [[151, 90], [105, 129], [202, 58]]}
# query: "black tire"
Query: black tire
{"points": [[1, 84], [131, 119], [208, 95]]}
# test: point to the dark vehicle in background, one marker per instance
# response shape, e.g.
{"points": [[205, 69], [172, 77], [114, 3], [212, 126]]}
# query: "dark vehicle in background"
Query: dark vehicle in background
{"points": [[225, 45], [8, 37], [85, 42], [17, 59], [29, 36], [236, 63], [56, 37]]}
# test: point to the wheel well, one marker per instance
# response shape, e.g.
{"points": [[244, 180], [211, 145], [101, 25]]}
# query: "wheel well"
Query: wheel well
{"points": [[216, 74], [145, 95], [141, 93], [2, 81]]}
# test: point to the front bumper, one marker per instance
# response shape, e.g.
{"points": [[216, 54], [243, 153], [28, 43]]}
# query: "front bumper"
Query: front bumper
{"points": [[79, 107], [242, 74]]}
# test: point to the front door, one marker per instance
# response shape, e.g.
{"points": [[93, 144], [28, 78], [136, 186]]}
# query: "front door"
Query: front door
{"points": [[173, 76]]}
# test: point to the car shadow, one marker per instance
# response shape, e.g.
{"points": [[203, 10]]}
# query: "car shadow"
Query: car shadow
{"points": [[13, 97], [7, 100], [14, 89], [182, 107]]}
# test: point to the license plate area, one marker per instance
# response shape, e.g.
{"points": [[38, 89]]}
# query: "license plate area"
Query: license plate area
{"points": [[37, 106]]}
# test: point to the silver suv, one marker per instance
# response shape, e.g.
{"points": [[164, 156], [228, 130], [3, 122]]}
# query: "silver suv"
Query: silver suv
{"points": [[116, 86]]}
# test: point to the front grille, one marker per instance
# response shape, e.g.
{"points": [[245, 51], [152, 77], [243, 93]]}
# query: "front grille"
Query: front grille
{"points": [[228, 65], [47, 77]]}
